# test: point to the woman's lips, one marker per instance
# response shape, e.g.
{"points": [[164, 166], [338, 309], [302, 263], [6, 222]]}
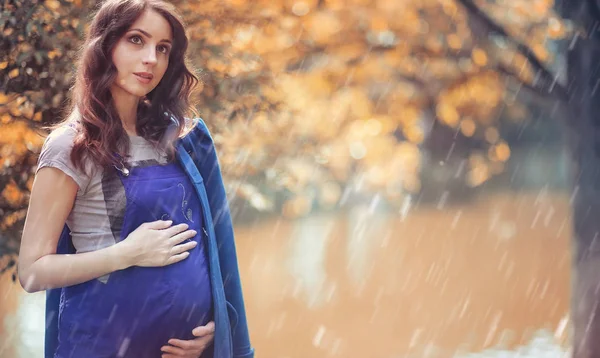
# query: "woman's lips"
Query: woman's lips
{"points": [[143, 79]]}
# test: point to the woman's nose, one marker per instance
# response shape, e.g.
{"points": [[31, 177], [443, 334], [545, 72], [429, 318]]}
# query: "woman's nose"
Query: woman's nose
{"points": [[150, 57]]}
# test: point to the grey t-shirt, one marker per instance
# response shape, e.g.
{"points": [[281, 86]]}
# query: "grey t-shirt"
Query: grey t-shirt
{"points": [[96, 218]]}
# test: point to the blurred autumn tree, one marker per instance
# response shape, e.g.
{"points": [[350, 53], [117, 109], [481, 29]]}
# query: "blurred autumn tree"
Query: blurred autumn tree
{"points": [[309, 98], [37, 47], [319, 97]]}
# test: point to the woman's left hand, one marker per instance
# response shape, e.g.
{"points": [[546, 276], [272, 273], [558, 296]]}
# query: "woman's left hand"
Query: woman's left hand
{"points": [[192, 348]]}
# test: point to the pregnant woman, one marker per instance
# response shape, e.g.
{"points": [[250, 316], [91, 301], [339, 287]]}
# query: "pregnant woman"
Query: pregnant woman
{"points": [[128, 227]]}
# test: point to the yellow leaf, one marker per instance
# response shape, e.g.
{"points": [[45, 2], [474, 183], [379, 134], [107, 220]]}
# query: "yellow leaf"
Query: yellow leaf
{"points": [[12, 194], [479, 57], [415, 134], [379, 23], [454, 41], [502, 152], [467, 127], [447, 114], [541, 52], [13, 73], [449, 8], [53, 4], [542, 6], [52, 54], [4, 99], [323, 27], [478, 175]]}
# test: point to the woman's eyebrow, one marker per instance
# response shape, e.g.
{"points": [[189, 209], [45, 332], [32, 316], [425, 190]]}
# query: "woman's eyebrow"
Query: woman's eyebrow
{"points": [[148, 35]]}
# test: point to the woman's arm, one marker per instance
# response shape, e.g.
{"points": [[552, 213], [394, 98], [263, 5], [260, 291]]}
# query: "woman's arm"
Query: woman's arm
{"points": [[39, 267]]}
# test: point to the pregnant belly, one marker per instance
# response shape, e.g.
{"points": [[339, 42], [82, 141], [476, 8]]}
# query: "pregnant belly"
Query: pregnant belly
{"points": [[137, 311]]}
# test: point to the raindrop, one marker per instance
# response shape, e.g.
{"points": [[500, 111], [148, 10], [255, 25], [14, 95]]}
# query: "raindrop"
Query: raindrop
{"points": [[319, 336]]}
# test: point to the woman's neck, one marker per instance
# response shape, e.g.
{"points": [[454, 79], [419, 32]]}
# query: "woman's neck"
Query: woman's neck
{"points": [[126, 105]]}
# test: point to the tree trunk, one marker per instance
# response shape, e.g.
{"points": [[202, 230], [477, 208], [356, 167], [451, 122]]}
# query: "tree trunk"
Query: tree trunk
{"points": [[583, 121]]}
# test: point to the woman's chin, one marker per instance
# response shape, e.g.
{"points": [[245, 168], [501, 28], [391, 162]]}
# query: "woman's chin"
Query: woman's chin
{"points": [[140, 90]]}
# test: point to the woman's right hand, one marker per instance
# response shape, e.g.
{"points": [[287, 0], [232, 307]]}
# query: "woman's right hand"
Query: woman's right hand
{"points": [[157, 243]]}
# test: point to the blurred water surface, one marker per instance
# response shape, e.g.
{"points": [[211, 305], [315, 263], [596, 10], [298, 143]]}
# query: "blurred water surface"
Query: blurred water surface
{"points": [[484, 279]]}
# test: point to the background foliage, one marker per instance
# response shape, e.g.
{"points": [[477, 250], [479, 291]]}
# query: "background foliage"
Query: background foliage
{"points": [[309, 100]]}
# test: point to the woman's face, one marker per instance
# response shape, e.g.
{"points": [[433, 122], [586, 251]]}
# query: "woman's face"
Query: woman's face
{"points": [[141, 56]]}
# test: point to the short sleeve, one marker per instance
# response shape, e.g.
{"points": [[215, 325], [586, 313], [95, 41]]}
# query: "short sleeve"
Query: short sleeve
{"points": [[56, 153]]}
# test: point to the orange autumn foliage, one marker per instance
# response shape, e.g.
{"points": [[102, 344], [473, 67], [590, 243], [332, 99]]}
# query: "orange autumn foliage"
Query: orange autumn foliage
{"points": [[307, 98]]}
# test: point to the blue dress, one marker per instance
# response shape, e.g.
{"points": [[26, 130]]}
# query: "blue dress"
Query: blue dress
{"points": [[137, 310]]}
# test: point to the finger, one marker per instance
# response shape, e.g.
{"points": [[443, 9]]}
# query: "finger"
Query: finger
{"points": [[175, 229], [159, 224], [183, 236], [176, 351], [204, 341], [200, 331], [183, 247], [193, 346], [176, 258]]}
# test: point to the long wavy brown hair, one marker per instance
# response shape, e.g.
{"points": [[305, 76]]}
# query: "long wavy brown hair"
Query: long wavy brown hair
{"points": [[160, 115]]}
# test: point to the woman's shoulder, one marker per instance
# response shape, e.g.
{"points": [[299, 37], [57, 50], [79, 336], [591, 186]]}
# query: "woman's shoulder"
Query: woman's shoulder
{"points": [[196, 126], [56, 152], [60, 139], [196, 132]]}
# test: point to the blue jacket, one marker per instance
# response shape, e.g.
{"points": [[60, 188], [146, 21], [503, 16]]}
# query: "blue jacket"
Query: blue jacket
{"points": [[197, 155]]}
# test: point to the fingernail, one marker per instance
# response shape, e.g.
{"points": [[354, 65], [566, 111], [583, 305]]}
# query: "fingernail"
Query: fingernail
{"points": [[194, 232]]}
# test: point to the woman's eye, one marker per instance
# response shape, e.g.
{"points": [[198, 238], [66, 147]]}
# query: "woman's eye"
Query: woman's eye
{"points": [[164, 49], [135, 39]]}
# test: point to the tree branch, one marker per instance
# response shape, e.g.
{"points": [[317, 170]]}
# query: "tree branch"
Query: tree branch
{"points": [[548, 79]]}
